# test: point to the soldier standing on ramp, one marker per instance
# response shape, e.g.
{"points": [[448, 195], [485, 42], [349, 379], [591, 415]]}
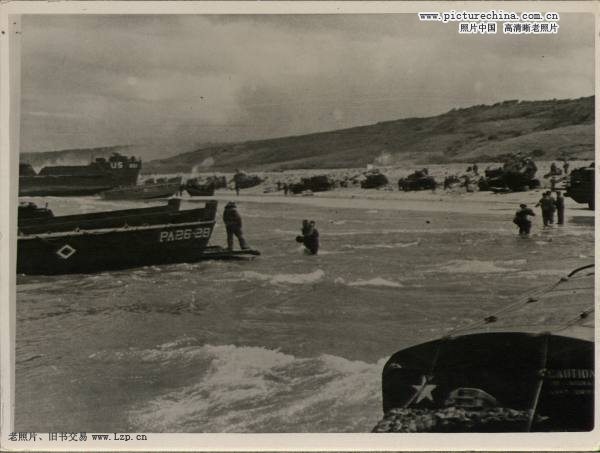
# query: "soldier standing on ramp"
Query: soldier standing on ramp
{"points": [[233, 224]]}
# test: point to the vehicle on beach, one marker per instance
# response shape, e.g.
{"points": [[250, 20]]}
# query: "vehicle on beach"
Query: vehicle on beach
{"points": [[527, 367], [318, 183], [196, 189], [374, 180], [100, 241], [581, 185], [74, 180], [418, 180], [160, 188], [516, 175], [244, 181]]}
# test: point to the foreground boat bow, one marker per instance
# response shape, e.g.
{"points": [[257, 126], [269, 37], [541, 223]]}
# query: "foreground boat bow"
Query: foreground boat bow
{"points": [[115, 240], [528, 367]]}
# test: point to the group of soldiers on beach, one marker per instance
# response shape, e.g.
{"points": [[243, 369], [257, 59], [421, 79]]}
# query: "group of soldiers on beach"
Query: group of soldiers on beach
{"points": [[548, 205]]}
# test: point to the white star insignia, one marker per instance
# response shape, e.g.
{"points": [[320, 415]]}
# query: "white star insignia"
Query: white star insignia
{"points": [[424, 390]]}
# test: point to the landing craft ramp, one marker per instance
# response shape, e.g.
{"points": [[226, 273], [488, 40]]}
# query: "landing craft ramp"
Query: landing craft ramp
{"points": [[527, 367]]}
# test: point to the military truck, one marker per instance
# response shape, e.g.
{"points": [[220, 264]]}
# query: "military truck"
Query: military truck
{"points": [[580, 186], [373, 180], [244, 181], [516, 175], [319, 183], [419, 180]]}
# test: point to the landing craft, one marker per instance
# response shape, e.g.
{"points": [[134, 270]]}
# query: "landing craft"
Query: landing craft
{"points": [[160, 188], [74, 180], [101, 241], [527, 367]]}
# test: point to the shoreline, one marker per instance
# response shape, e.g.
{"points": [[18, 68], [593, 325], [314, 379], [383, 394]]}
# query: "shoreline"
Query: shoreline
{"points": [[423, 201]]}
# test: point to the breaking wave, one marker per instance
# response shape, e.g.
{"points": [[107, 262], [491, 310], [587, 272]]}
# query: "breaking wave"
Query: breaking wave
{"points": [[277, 279], [393, 245], [533, 274], [377, 281], [242, 389], [420, 231], [478, 266]]}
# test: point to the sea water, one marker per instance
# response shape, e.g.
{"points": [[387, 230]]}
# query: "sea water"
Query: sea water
{"points": [[286, 342]]}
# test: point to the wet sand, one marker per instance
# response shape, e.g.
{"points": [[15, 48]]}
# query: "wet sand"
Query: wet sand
{"points": [[422, 201]]}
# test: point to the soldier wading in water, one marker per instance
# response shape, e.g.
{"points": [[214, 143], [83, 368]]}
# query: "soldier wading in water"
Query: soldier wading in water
{"points": [[548, 205], [522, 220], [233, 225], [310, 237]]}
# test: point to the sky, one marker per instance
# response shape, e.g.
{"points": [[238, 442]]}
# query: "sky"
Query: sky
{"points": [[179, 81]]}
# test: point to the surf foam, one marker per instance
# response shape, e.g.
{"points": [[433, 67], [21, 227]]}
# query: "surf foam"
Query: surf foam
{"points": [[278, 279], [254, 389], [475, 267], [377, 281]]}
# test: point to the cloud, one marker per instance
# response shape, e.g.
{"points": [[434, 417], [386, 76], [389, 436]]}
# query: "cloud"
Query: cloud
{"points": [[111, 79]]}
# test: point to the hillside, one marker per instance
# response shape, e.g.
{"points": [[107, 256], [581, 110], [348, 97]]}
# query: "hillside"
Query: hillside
{"points": [[546, 129]]}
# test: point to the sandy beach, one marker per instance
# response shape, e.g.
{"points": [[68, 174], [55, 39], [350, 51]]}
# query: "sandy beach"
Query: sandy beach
{"points": [[456, 200], [439, 201]]}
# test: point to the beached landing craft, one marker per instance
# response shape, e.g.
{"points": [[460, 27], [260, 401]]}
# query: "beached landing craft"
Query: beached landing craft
{"points": [[74, 180], [528, 367], [116, 240], [160, 188]]}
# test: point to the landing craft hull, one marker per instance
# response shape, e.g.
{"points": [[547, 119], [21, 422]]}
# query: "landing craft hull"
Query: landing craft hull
{"points": [[506, 366], [207, 190], [31, 222], [65, 186], [100, 250], [113, 240], [77, 180], [532, 361], [141, 192]]}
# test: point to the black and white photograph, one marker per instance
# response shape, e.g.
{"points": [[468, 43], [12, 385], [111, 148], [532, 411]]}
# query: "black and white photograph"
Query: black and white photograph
{"points": [[344, 222]]}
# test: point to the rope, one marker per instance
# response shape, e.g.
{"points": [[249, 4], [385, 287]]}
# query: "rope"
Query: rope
{"points": [[536, 292], [580, 269], [583, 315]]}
